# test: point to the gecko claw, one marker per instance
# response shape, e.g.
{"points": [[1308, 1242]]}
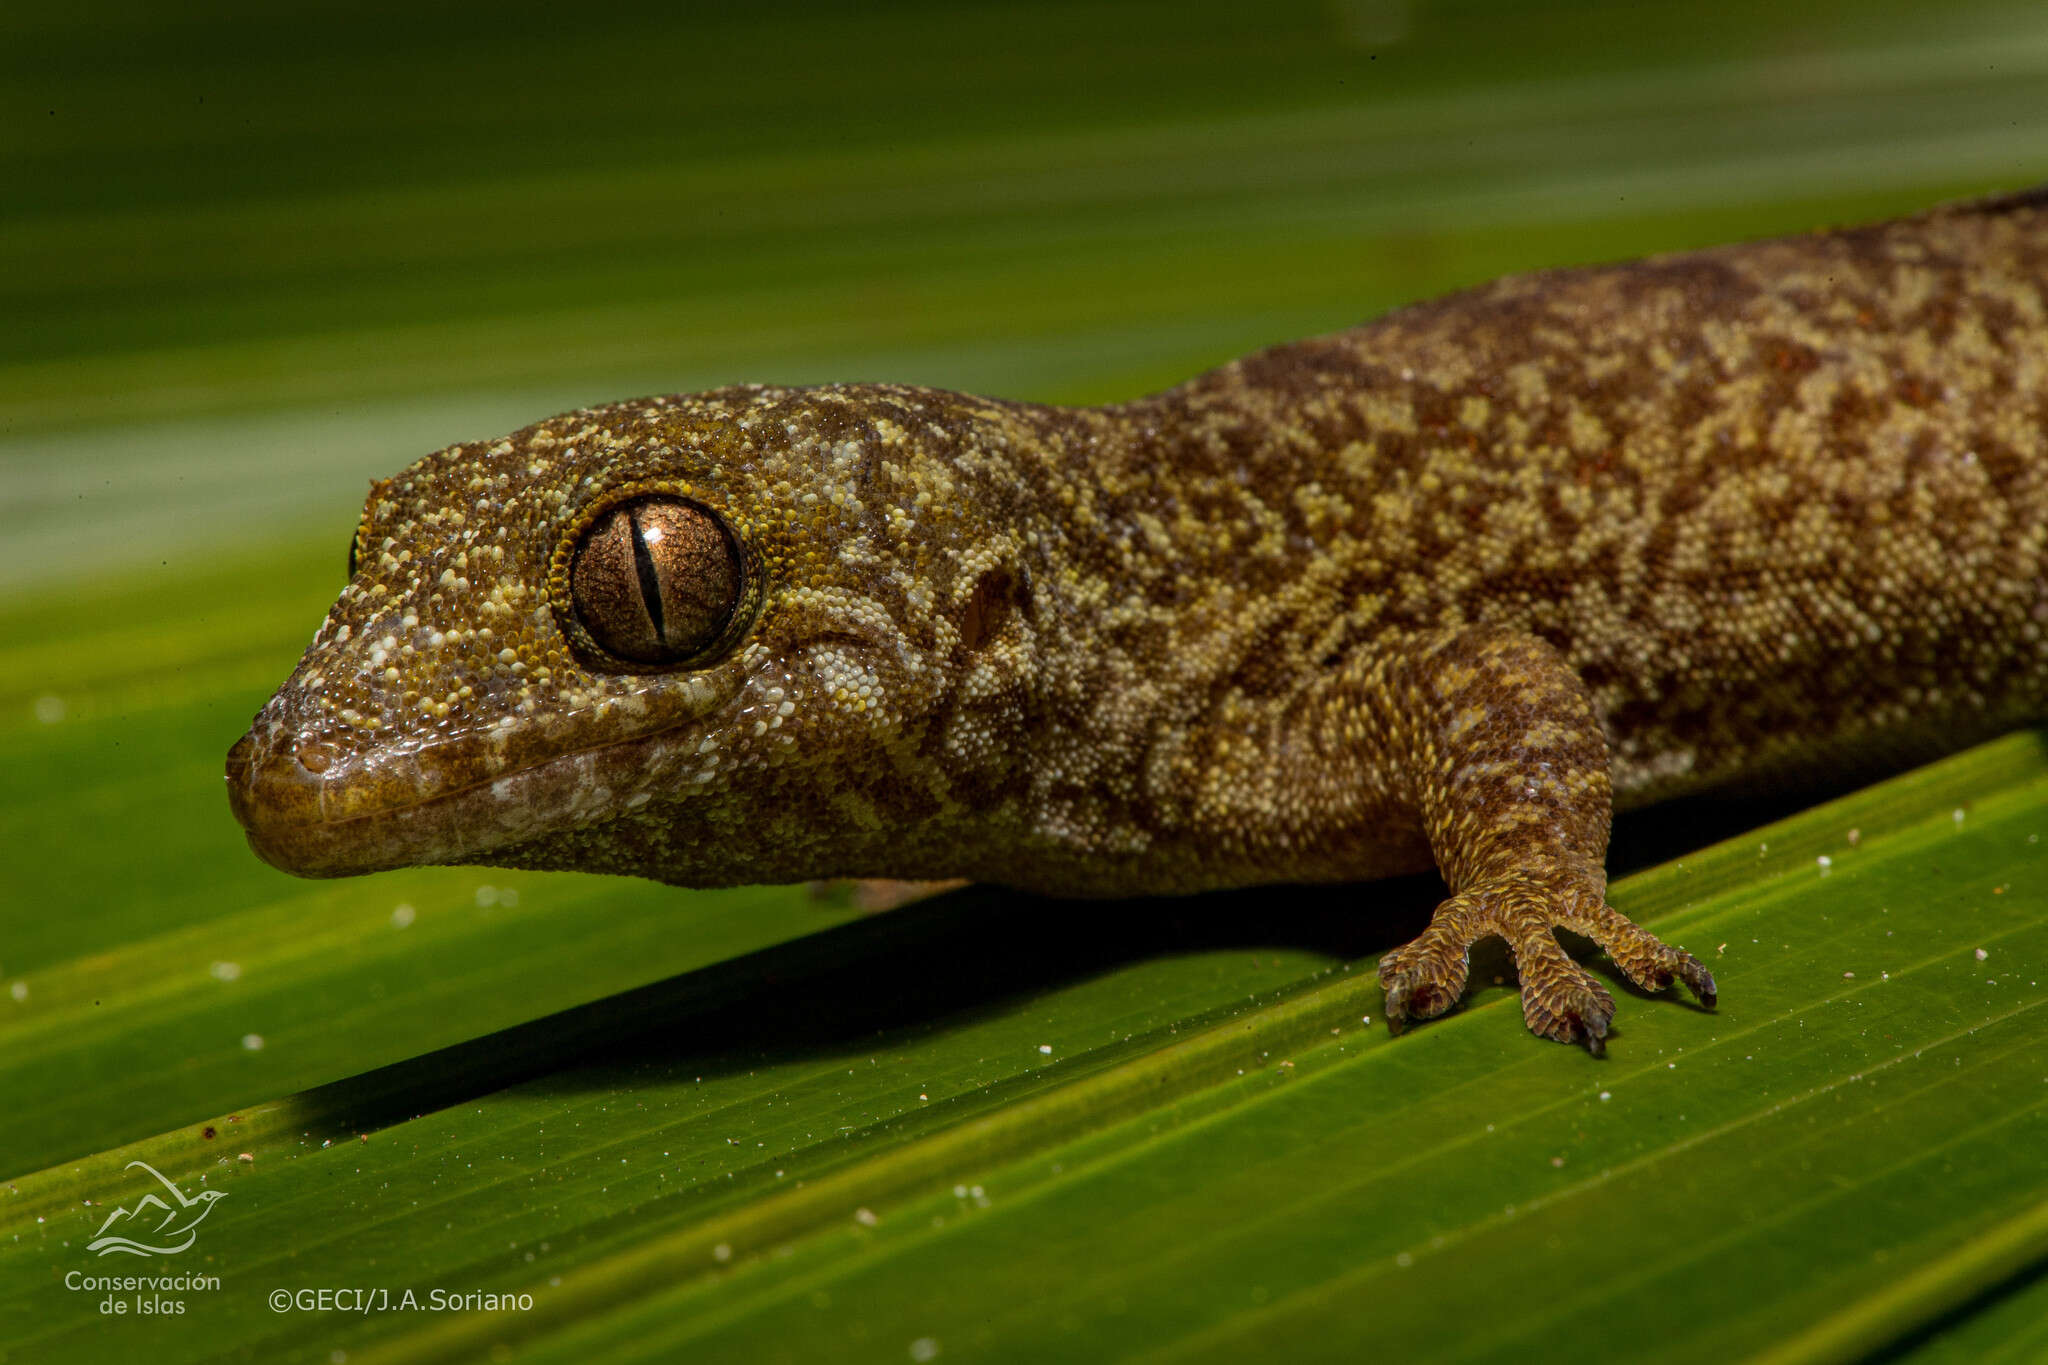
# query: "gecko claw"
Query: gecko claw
{"points": [[1698, 980], [1400, 1007], [1595, 1014]]}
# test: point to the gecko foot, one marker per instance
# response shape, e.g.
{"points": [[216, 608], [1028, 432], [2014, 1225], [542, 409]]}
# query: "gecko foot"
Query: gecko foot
{"points": [[1560, 999]]}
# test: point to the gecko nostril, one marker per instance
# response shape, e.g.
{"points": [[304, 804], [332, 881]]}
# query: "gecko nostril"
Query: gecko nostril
{"points": [[314, 757]]}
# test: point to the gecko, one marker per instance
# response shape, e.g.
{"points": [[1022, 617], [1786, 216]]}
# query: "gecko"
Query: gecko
{"points": [[1441, 591]]}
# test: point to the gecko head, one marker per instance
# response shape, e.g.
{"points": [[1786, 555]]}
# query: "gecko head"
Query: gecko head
{"points": [[678, 637]]}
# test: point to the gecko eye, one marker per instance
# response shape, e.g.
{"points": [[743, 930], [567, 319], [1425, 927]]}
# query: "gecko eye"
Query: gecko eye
{"points": [[655, 580]]}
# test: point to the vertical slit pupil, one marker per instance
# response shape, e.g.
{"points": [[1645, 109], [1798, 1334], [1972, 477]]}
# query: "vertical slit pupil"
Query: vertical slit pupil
{"points": [[650, 581]]}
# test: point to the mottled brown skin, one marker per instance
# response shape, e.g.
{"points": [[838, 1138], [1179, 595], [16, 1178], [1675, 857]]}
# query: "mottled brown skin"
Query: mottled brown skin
{"points": [[1441, 590]]}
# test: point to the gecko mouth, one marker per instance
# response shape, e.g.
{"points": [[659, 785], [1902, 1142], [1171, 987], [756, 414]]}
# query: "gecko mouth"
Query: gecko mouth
{"points": [[311, 813], [279, 802]]}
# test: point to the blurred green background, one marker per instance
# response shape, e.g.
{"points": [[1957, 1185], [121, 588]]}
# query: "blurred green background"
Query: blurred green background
{"points": [[253, 255]]}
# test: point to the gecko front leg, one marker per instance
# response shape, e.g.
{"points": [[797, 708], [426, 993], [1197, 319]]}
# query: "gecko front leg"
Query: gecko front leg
{"points": [[1510, 776]]}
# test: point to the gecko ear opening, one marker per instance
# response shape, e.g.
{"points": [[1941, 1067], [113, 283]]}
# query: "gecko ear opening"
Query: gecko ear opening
{"points": [[655, 580], [997, 594]]}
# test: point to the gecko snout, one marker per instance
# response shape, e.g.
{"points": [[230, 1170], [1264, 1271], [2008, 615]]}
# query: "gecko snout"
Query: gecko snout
{"points": [[275, 792]]}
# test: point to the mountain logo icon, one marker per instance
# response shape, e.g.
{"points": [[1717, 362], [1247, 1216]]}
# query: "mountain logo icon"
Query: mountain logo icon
{"points": [[159, 1224]]}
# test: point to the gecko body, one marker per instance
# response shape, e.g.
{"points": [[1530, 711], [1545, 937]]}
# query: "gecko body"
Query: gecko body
{"points": [[1442, 590]]}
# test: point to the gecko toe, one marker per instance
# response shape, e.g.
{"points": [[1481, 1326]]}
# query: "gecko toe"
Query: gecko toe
{"points": [[1562, 1001], [1649, 963], [1424, 978], [1412, 998]]}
